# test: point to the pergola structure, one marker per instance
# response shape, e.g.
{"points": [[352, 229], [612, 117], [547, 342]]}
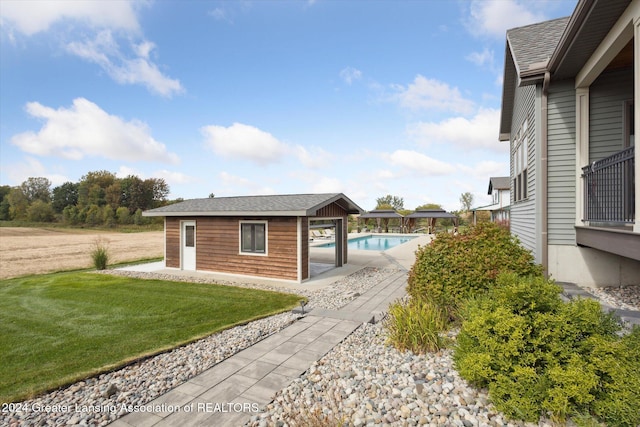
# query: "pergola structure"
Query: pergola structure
{"points": [[382, 216], [432, 215]]}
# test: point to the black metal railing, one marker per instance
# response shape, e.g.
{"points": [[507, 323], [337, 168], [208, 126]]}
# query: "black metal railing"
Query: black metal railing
{"points": [[609, 189]]}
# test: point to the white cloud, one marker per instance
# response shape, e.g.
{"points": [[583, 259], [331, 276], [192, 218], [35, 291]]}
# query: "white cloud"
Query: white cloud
{"points": [[328, 185], [479, 132], [242, 141], [314, 157], [431, 94], [174, 177], [87, 130], [485, 169], [105, 52], [20, 171], [420, 163], [102, 19], [235, 185], [220, 14], [34, 16], [495, 17], [350, 74], [481, 59]]}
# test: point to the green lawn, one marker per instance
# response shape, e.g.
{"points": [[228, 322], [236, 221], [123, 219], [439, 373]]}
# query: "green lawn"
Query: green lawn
{"points": [[59, 328]]}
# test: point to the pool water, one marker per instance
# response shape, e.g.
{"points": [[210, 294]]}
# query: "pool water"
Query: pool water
{"points": [[373, 242]]}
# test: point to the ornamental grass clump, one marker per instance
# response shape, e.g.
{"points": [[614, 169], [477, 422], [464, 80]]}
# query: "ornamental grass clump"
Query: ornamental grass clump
{"points": [[540, 356], [455, 267], [100, 253], [416, 325]]}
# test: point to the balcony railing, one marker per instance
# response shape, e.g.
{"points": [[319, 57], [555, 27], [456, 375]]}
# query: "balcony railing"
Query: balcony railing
{"points": [[609, 189]]}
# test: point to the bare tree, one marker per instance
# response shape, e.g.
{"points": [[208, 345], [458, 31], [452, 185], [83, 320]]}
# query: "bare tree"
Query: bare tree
{"points": [[466, 199]]}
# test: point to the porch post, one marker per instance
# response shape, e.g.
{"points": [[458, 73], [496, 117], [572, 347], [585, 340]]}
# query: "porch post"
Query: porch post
{"points": [[582, 147], [636, 114]]}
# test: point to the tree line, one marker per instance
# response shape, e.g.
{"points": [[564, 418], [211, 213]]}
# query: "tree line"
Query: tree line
{"points": [[98, 198]]}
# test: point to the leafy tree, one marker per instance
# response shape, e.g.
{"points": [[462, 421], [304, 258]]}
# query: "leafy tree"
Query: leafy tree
{"points": [[64, 195], [160, 191], [40, 211], [92, 188], [429, 206], [113, 194], [93, 215], [18, 203], [4, 202], [123, 216], [466, 199], [4, 210], [138, 219], [395, 202], [108, 216], [36, 189], [4, 192]]}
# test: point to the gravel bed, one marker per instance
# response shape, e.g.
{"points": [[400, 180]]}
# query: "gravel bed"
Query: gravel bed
{"points": [[102, 399], [624, 297], [363, 382]]}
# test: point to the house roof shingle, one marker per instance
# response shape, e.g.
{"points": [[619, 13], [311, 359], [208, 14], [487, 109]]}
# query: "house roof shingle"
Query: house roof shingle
{"points": [[528, 50], [272, 205], [533, 45], [499, 183]]}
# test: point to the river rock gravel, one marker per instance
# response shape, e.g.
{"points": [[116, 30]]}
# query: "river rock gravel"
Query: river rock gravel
{"points": [[364, 382]]}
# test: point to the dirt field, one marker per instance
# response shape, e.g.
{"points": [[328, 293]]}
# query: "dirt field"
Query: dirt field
{"points": [[44, 250]]}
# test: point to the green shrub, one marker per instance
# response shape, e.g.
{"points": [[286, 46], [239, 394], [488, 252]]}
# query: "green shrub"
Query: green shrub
{"points": [[100, 253], [540, 356], [415, 325], [455, 267]]}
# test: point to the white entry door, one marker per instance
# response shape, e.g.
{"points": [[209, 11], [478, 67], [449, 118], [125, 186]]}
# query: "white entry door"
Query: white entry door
{"points": [[188, 246]]}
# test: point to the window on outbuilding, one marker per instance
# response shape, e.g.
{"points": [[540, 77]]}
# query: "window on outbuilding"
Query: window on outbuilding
{"points": [[253, 237]]}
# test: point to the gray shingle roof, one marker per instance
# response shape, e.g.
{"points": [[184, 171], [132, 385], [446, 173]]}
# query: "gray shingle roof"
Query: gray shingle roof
{"points": [[381, 213], [499, 183], [431, 213], [533, 45], [273, 205]]}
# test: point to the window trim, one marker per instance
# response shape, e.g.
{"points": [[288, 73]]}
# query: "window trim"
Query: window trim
{"points": [[266, 238], [628, 123], [520, 158]]}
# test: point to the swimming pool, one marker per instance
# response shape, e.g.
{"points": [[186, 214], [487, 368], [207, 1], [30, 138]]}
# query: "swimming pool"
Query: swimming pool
{"points": [[373, 242]]}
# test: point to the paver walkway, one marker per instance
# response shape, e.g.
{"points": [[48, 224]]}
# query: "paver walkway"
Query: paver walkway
{"points": [[229, 393]]}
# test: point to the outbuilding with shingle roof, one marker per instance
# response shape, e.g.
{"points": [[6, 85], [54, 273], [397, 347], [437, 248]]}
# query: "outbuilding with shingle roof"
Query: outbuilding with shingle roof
{"points": [[259, 236]]}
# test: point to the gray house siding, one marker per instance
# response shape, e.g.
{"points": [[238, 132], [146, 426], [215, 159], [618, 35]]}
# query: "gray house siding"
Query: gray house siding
{"points": [[606, 102], [561, 163], [523, 215]]}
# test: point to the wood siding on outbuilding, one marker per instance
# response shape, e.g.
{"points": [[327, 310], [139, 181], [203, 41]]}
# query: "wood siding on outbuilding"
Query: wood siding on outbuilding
{"points": [[218, 246], [561, 170], [334, 210], [304, 244]]}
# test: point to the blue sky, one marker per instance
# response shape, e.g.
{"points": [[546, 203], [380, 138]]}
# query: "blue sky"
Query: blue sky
{"points": [[241, 97]]}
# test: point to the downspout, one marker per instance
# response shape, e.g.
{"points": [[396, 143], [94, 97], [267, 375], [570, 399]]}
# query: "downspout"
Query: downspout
{"points": [[544, 174]]}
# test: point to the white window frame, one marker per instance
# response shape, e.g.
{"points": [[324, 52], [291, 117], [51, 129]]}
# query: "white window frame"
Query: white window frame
{"points": [[266, 238]]}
